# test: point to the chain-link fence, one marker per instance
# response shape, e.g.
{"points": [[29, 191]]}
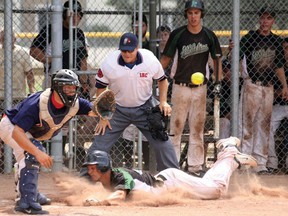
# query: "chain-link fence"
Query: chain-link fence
{"points": [[103, 22]]}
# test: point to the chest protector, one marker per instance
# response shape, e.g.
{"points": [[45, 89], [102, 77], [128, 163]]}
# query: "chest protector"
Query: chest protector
{"points": [[47, 127]]}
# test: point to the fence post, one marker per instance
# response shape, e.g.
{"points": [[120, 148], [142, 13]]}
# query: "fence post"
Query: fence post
{"points": [[235, 67], [8, 75], [56, 25]]}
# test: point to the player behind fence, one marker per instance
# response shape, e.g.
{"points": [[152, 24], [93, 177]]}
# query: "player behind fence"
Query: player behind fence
{"points": [[263, 52], [121, 182]]}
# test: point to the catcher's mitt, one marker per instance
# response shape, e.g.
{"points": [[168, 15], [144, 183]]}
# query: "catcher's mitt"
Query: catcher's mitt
{"points": [[157, 123], [104, 105]]}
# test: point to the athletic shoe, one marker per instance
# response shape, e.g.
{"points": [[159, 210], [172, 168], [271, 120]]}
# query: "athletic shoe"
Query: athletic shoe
{"points": [[30, 210], [230, 145], [243, 159], [231, 141], [43, 200]]}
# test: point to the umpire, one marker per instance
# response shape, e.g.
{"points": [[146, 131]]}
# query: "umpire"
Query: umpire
{"points": [[129, 72]]}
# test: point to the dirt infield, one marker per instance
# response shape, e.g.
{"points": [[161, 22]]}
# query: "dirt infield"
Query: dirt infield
{"points": [[248, 195]]}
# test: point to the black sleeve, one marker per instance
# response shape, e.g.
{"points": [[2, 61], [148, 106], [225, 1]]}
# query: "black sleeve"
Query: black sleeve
{"points": [[40, 40]]}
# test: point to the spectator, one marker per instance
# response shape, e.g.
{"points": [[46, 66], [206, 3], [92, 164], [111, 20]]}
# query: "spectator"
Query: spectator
{"points": [[42, 53], [263, 52], [135, 28], [130, 72], [279, 112], [122, 182], [193, 42], [163, 33], [22, 72], [37, 118]]}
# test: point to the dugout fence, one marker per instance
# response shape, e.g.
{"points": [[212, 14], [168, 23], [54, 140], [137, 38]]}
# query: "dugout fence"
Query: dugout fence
{"points": [[103, 22]]}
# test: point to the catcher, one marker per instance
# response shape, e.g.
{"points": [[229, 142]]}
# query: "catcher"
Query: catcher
{"points": [[121, 181], [40, 117]]}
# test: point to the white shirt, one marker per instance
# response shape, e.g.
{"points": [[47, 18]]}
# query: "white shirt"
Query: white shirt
{"points": [[132, 87], [21, 63]]}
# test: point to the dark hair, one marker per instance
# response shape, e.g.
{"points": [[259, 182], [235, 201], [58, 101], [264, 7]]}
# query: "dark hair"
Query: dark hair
{"points": [[267, 9], [286, 39], [163, 28], [144, 18], [76, 6]]}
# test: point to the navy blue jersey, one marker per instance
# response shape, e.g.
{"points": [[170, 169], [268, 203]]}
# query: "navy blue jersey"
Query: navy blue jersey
{"points": [[26, 113], [193, 51]]}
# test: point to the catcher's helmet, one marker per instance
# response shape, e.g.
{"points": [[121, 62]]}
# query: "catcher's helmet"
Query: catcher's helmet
{"points": [[76, 7], [99, 158], [66, 77], [198, 4]]}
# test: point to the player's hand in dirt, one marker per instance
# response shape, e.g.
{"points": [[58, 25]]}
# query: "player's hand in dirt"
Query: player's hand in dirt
{"points": [[95, 202], [101, 127]]}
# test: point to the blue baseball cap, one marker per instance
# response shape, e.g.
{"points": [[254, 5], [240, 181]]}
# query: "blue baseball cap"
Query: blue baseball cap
{"points": [[128, 42]]}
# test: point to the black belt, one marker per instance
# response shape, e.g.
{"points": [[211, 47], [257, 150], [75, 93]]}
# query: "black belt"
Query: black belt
{"points": [[161, 177], [261, 83], [190, 85]]}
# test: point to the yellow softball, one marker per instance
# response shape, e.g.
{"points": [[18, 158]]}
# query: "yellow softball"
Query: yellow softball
{"points": [[197, 78]]}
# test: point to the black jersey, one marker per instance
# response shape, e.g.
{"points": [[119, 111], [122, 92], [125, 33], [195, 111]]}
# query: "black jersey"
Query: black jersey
{"points": [[263, 55], [193, 51], [79, 45], [124, 179]]}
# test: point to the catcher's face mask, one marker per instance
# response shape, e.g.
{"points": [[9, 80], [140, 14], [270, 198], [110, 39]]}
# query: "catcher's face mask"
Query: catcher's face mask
{"points": [[67, 85], [68, 94]]}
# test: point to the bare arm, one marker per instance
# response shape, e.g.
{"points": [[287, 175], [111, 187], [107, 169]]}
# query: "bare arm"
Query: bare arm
{"points": [[165, 61], [281, 76], [163, 88], [22, 140], [30, 81], [39, 55], [117, 196], [219, 70]]}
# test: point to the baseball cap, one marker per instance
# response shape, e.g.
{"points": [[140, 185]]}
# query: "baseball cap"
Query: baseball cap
{"points": [[128, 42], [163, 28], [267, 9]]}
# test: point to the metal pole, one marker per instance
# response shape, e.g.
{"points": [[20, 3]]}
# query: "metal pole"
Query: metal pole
{"points": [[152, 46], [8, 75], [152, 26], [72, 67], [47, 73], [56, 25], [140, 23], [235, 67]]}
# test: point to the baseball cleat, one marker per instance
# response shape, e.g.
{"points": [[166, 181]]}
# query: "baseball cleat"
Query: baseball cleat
{"points": [[30, 210], [43, 200], [231, 141], [244, 159]]}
